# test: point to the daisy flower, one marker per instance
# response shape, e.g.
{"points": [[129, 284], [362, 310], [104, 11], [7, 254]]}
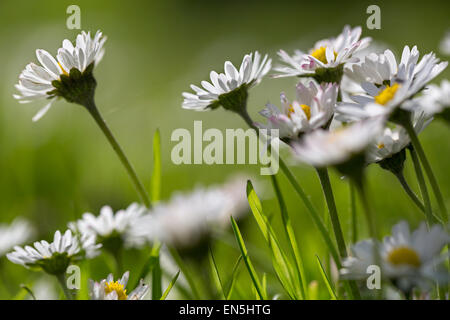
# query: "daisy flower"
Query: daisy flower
{"points": [[188, 218], [436, 99], [108, 289], [322, 148], [326, 59], [228, 89], [409, 259], [55, 257], [17, 233], [69, 75], [109, 228], [388, 85], [393, 139], [313, 109]]}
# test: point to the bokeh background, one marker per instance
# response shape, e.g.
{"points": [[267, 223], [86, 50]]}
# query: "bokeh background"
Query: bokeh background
{"points": [[54, 170]]}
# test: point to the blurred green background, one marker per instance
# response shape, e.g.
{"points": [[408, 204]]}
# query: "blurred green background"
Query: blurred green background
{"points": [[54, 170]]}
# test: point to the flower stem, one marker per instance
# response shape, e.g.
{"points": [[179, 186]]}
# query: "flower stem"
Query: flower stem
{"points": [[314, 214], [351, 285], [62, 282], [401, 178], [354, 236], [92, 108], [373, 232], [407, 124], [329, 197], [423, 187]]}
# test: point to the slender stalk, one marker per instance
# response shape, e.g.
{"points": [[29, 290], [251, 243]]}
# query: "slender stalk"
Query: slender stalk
{"points": [[314, 214], [401, 178], [353, 214], [367, 209], [351, 285], [62, 282], [329, 197], [92, 108], [299, 190], [334, 217], [407, 124]]}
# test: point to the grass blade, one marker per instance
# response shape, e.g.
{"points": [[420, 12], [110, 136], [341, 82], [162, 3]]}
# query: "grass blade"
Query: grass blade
{"points": [[155, 183], [233, 278], [326, 279], [248, 263], [280, 262], [149, 265], [291, 238], [186, 272], [215, 273], [171, 284]]}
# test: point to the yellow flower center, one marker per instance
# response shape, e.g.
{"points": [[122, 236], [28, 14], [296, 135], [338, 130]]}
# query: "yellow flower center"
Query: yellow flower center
{"points": [[320, 54], [118, 288], [387, 94], [404, 255], [306, 109], [380, 146]]}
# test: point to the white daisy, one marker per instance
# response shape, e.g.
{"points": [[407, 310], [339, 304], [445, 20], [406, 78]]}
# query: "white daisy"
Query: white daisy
{"points": [[388, 85], [47, 80], [55, 257], [229, 88], [436, 99], [190, 217], [108, 289], [407, 258], [322, 148], [17, 233], [108, 228], [313, 109], [394, 139], [444, 46], [326, 54]]}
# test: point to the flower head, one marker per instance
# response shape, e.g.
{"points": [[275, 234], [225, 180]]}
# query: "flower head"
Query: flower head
{"points": [[228, 89], [326, 59], [68, 76], [189, 218], [322, 148], [108, 289], [407, 258], [387, 85], [55, 257], [17, 233], [109, 228], [313, 109], [436, 99], [393, 139]]}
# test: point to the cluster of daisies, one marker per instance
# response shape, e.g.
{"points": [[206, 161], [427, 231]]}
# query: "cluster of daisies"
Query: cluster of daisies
{"points": [[352, 107], [185, 220]]}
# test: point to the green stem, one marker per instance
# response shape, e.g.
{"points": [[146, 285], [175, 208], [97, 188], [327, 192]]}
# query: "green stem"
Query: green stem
{"points": [[411, 194], [92, 108], [314, 215], [186, 272], [62, 282], [422, 186], [334, 217], [331, 204], [407, 124], [353, 214]]}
